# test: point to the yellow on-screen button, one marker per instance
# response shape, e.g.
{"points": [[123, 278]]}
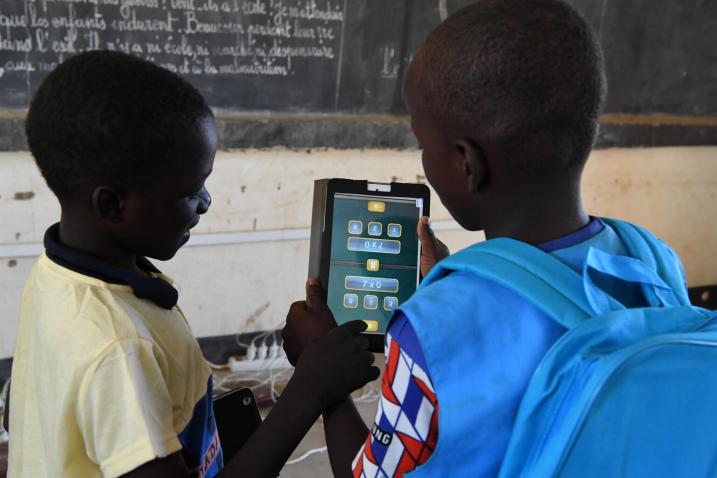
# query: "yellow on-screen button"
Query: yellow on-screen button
{"points": [[372, 325], [376, 206]]}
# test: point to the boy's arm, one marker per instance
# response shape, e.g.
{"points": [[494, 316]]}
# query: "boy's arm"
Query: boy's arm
{"points": [[345, 433], [405, 429], [265, 453], [330, 369], [272, 443], [405, 383], [345, 429]]}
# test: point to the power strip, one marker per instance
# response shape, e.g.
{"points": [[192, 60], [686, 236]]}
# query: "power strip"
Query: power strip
{"points": [[277, 363]]}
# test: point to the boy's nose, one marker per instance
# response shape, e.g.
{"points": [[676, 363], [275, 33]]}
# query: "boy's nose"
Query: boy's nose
{"points": [[205, 200]]}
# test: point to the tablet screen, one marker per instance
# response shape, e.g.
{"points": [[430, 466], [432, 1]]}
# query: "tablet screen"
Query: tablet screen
{"points": [[374, 257]]}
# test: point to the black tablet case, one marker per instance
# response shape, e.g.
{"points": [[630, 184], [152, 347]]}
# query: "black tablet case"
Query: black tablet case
{"points": [[319, 238]]}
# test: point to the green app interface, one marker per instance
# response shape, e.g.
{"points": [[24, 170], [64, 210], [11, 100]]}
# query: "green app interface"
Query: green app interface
{"points": [[374, 257]]}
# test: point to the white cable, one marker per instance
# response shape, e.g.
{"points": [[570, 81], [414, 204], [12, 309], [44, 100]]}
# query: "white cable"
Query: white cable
{"points": [[261, 335], [306, 455], [370, 393], [239, 342], [274, 349], [274, 364], [245, 345], [215, 366], [276, 378], [3, 392], [369, 397]]}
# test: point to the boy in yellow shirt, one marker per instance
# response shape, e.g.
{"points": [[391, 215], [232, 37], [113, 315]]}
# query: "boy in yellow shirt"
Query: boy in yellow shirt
{"points": [[108, 379]]}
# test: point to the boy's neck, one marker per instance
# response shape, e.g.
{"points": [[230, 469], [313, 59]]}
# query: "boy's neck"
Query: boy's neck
{"points": [[78, 232], [538, 211]]}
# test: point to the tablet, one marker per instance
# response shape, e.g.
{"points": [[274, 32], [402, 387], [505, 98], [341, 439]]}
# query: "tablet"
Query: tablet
{"points": [[237, 418], [365, 250]]}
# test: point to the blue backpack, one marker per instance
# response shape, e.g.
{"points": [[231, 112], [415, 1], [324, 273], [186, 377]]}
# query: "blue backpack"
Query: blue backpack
{"points": [[626, 392]]}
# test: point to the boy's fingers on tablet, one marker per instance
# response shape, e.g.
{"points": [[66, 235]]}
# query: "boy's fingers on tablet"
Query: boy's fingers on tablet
{"points": [[367, 372], [366, 366], [295, 319], [363, 343], [424, 228], [358, 369], [304, 326], [428, 246], [315, 295], [370, 358], [374, 373], [355, 326], [432, 250], [296, 308]]}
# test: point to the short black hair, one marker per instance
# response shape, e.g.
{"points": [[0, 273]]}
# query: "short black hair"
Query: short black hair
{"points": [[108, 117], [529, 71]]}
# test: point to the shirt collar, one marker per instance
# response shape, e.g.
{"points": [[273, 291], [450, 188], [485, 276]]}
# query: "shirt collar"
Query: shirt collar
{"points": [[591, 229], [155, 289]]}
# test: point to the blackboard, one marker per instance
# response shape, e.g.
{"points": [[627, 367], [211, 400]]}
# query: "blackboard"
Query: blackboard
{"points": [[314, 73]]}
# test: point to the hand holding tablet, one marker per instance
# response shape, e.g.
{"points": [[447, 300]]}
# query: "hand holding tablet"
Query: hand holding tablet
{"points": [[306, 321], [432, 249], [365, 250]]}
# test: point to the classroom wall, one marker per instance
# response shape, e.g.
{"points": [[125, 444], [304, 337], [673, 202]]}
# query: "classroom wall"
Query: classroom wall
{"points": [[248, 257]]}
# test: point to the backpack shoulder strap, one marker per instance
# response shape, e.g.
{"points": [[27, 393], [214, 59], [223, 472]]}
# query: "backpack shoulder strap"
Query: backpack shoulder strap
{"points": [[560, 292], [652, 252], [542, 279]]}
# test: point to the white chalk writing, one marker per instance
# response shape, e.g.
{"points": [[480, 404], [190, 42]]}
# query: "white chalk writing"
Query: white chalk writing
{"points": [[191, 37]]}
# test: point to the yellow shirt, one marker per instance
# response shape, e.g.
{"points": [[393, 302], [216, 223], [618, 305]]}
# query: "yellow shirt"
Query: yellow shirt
{"points": [[102, 381]]}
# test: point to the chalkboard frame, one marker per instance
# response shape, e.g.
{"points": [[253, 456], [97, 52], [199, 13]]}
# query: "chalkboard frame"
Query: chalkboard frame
{"points": [[394, 132]]}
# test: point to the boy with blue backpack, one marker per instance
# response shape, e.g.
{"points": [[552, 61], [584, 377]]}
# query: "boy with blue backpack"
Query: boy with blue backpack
{"points": [[492, 367]]}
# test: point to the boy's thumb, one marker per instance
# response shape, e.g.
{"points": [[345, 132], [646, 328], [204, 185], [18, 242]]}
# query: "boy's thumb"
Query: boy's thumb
{"points": [[315, 295], [425, 234]]}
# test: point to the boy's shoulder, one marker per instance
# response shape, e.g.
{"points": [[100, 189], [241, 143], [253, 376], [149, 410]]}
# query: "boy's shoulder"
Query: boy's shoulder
{"points": [[462, 294], [73, 310], [478, 278], [70, 292], [507, 276]]}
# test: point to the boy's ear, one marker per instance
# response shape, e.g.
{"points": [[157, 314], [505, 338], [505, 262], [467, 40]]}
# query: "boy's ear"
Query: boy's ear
{"points": [[109, 204], [475, 166]]}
